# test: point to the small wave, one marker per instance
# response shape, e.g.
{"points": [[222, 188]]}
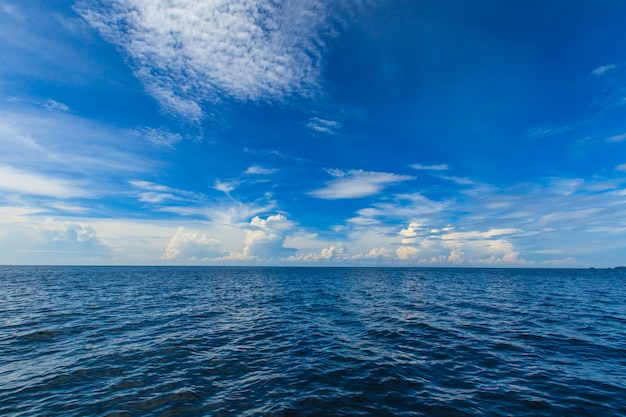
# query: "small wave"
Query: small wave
{"points": [[309, 342]]}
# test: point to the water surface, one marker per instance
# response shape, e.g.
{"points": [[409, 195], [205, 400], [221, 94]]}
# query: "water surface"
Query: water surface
{"points": [[161, 341]]}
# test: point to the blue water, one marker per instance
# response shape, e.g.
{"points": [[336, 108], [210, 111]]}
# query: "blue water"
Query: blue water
{"points": [[126, 341]]}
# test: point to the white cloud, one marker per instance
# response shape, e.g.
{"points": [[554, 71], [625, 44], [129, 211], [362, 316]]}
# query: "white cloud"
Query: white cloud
{"points": [[460, 180], [439, 167], [160, 136], [152, 197], [187, 51], [258, 170], [456, 256], [409, 234], [482, 247], [265, 239], [157, 193], [376, 253], [565, 186], [17, 214], [274, 222], [63, 142], [569, 216], [441, 246], [68, 232], [53, 105], [319, 125], [603, 69], [336, 252], [191, 246], [225, 186], [478, 235], [34, 240], [549, 131], [407, 252], [617, 138], [68, 208], [621, 167], [147, 185], [24, 182], [357, 183], [401, 206]]}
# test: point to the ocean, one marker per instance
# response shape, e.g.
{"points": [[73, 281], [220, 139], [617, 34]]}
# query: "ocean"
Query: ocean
{"points": [[257, 341]]}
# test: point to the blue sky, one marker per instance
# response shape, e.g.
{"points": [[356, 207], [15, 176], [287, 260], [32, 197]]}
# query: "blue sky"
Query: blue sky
{"points": [[351, 132]]}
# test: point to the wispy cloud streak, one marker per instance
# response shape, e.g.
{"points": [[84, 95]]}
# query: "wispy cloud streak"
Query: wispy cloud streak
{"points": [[603, 69], [319, 125], [357, 184], [15, 180], [438, 167]]}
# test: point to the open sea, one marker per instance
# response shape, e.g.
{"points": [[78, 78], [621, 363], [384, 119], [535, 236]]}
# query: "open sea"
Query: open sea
{"points": [[230, 341]]}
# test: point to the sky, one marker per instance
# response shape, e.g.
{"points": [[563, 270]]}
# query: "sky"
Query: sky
{"points": [[475, 133]]}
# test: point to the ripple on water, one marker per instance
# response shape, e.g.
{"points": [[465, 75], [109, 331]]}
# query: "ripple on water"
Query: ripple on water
{"points": [[311, 342]]}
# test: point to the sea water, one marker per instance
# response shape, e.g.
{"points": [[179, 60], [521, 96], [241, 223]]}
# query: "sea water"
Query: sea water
{"points": [[217, 341]]}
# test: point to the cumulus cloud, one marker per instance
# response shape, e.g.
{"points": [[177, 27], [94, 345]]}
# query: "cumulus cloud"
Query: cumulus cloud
{"points": [[357, 184], [30, 239], [376, 253], [407, 252], [275, 222], [456, 256], [423, 244], [187, 51], [478, 246], [265, 239], [409, 234], [191, 246], [334, 252], [68, 233]]}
